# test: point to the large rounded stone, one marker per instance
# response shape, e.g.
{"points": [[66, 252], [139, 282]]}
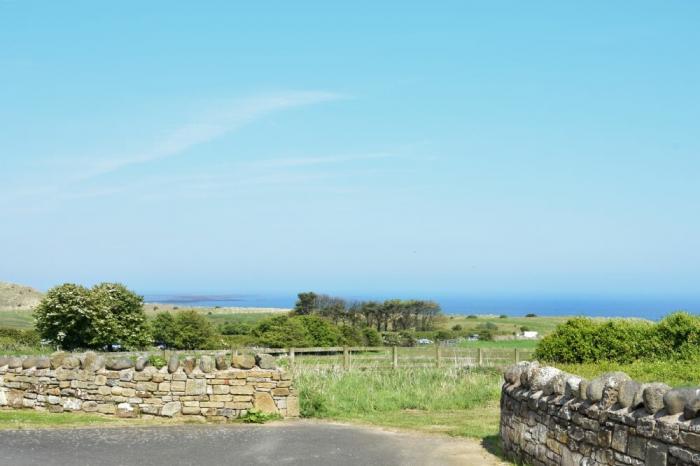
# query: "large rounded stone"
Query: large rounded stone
{"points": [[263, 402], [557, 384], [42, 363], [141, 363], [4, 361], [92, 362], [70, 362], [57, 359], [206, 363], [119, 364], [528, 373], [188, 364], [676, 399], [173, 363], [28, 363], [243, 361], [653, 397], [221, 362], [629, 393], [571, 388], [691, 409], [606, 386], [265, 361], [14, 362], [542, 376], [512, 374]]}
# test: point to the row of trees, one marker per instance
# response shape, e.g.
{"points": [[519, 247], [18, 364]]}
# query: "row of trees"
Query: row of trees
{"points": [[72, 316], [391, 315]]}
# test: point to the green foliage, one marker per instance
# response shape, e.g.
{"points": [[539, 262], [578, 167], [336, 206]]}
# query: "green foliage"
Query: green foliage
{"points": [[28, 337], [320, 331], [305, 304], [371, 337], [530, 315], [282, 332], [157, 361], [255, 416], [235, 328], [582, 340], [73, 316], [183, 330], [503, 316], [457, 328]]}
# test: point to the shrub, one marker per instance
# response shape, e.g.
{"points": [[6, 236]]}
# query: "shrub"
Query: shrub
{"points": [[157, 361], [371, 337], [471, 316], [321, 331], [183, 330], [282, 332], [530, 315], [583, 340], [457, 328], [73, 316], [503, 316]]}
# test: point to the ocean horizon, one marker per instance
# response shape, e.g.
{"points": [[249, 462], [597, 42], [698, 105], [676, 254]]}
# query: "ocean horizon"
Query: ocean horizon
{"points": [[652, 308]]}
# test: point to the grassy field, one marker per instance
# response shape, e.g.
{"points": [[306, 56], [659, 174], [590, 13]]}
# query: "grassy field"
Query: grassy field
{"points": [[16, 319], [23, 319], [455, 402]]}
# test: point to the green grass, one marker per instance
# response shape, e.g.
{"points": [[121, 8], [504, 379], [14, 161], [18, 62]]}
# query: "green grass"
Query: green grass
{"points": [[16, 319], [455, 402], [500, 344], [30, 419]]}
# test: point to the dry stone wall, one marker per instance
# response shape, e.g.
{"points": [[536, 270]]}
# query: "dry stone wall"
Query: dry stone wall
{"points": [[549, 417], [213, 388]]}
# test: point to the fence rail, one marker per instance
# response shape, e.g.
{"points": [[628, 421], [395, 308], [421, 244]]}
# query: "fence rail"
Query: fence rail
{"points": [[375, 357]]}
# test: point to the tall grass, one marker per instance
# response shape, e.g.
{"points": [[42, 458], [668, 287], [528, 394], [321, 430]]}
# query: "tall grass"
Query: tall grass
{"points": [[455, 401]]}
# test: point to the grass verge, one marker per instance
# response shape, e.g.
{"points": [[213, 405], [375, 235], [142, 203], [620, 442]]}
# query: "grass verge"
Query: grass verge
{"points": [[452, 401]]}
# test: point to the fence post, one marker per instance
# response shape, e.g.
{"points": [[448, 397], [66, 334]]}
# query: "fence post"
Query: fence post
{"points": [[481, 357], [437, 354], [291, 358], [517, 356], [394, 357], [346, 358]]}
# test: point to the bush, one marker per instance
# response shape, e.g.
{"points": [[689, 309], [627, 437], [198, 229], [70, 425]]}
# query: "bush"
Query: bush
{"points": [[183, 330], [17, 337], [457, 328], [235, 328], [530, 315], [583, 340], [503, 316], [371, 337], [157, 361], [73, 316]]}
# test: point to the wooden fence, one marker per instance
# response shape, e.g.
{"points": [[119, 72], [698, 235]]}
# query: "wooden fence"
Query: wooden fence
{"points": [[373, 357], [394, 357]]}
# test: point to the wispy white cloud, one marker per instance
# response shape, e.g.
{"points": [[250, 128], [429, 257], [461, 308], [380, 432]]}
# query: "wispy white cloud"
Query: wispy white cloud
{"points": [[219, 122], [321, 160], [213, 126]]}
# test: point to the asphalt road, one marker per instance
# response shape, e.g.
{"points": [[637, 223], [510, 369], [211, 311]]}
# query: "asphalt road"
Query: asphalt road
{"points": [[298, 443]]}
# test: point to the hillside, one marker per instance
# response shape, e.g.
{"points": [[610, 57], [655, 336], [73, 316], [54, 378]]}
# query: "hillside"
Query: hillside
{"points": [[18, 297]]}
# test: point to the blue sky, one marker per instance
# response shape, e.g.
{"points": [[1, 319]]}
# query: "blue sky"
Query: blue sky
{"points": [[540, 147]]}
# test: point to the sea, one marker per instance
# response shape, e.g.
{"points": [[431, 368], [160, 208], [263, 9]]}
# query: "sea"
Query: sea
{"points": [[650, 307]]}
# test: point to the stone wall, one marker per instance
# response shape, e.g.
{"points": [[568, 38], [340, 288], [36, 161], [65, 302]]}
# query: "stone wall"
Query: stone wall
{"points": [[213, 388], [549, 417]]}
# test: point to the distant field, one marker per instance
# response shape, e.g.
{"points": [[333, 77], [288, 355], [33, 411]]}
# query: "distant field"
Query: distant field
{"points": [[16, 319], [24, 319]]}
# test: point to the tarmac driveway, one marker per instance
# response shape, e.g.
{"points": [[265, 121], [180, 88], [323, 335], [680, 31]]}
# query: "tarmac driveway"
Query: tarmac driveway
{"points": [[284, 443]]}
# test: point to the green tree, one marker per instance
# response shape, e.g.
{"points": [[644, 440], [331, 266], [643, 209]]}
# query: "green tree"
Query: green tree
{"points": [[72, 316], [164, 329], [305, 304], [193, 330], [282, 332], [126, 322]]}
